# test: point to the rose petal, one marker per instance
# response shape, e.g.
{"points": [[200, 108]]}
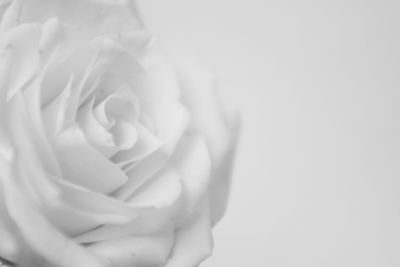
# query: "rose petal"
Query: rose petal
{"points": [[55, 112], [122, 104], [106, 141], [24, 134], [36, 230], [83, 165], [157, 205], [77, 210], [193, 242], [125, 135], [170, 120], [20, 80], [143, 251], [161, 191], [192, 161], [94, 130], [220, 129], [142, 66], [9, 245], [21, 57], [146, 144], [78, 63], [82, 200], [161, 80]]}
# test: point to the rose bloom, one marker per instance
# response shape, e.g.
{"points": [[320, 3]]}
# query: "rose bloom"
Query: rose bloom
{"points": [[109, 155]]}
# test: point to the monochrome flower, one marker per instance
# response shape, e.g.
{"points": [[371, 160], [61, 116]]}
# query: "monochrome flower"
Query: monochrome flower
{"points": [[109, 154]]}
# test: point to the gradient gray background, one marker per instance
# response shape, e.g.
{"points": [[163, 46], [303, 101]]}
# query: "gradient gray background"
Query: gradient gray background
{"points": [[318, 84]]}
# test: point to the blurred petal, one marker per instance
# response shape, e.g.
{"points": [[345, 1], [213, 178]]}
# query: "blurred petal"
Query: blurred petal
{"points": [[219, 128], [192, 161], [193, 241], [160, 80]]}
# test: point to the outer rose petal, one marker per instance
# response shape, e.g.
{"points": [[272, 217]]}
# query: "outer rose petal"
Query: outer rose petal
{"points": [[219, 127], [144, 251], [192, 160], [193, 240], [37, 232], [9, 244], [158, 203]]}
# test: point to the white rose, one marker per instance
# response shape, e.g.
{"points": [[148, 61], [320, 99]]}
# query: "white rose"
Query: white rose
{"points": [[108, 155]]}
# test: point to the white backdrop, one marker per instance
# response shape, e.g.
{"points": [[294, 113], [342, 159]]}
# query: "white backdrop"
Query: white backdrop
{"points": [[318, 84]]}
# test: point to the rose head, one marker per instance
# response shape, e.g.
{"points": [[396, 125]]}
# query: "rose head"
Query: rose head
{"points": [[109, 156]]}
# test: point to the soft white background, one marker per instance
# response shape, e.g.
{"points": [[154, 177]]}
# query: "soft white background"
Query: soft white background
{"points": [[317, 179]]}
